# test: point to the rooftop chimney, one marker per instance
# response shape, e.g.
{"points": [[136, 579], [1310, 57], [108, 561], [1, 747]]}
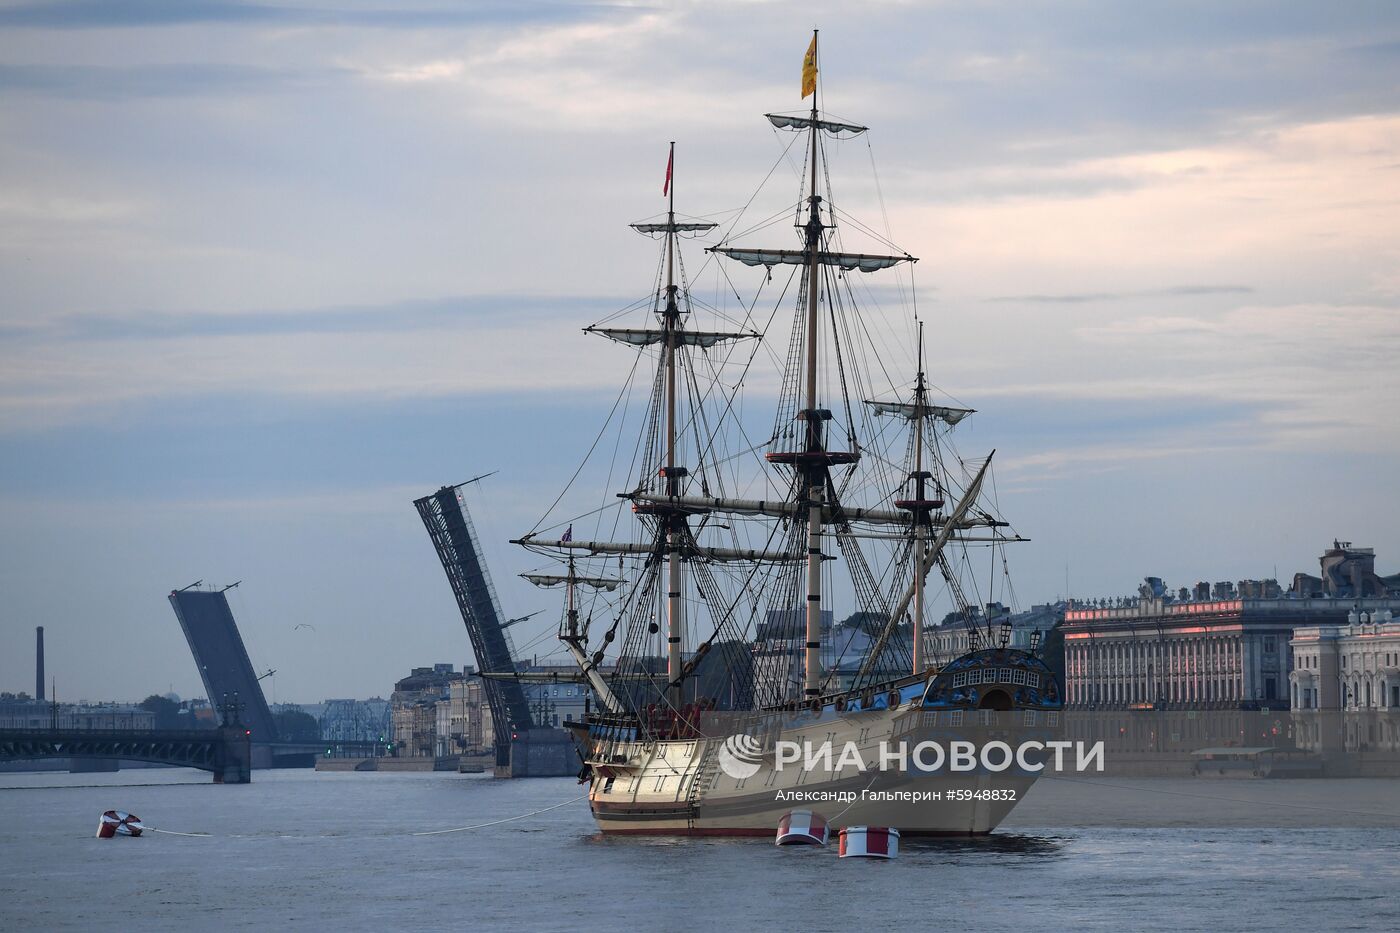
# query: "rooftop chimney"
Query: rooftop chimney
{"points": [[39, 662]]}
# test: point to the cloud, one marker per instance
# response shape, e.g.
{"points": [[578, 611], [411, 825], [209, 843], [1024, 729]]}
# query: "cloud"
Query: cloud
{"points": [[596, 75], [18, 205], [484, 311], [1169, 291], [1388, 50], [1325, 372], [114, 511], [90, 14], [132, 14], [55, 381], [125, 82], [1089, 459], [1268, 382], [74, 369], [1317, 200]]}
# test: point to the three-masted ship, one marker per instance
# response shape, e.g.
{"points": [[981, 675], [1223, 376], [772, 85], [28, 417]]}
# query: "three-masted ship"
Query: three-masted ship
{"points": [[707, 635]]}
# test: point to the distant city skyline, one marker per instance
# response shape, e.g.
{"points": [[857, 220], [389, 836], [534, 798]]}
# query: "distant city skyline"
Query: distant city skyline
{"points": [[257, 258]]}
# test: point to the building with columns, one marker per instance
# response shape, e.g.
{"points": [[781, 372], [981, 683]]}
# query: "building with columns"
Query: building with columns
{"points": [[1225, 645], [1355, 666], [1215, 654], [1345, 686], [1153, 653]]}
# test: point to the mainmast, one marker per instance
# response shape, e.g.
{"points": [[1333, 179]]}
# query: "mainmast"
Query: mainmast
{"points": [[811, 461], [673, 521], [815, 472]]}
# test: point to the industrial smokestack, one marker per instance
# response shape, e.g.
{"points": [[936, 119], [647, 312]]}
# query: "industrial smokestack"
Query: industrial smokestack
{"points": [[38, 662]]}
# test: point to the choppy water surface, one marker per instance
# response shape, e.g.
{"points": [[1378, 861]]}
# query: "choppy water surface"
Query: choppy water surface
{"points": [[302, 850]]}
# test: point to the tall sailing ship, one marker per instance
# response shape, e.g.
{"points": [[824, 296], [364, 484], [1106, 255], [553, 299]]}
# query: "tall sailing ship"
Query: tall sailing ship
{"points": [[706, 634]]}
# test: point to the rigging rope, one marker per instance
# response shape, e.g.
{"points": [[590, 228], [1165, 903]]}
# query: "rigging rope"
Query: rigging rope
{"points": [[435, 832], [511, 819]]}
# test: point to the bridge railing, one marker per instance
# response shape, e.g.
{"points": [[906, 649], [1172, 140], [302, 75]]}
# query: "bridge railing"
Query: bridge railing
{"points": [[190, 734]]}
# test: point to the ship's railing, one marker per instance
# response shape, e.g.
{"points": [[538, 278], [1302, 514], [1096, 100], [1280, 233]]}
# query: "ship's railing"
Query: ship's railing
{"points": [[840, 699]]}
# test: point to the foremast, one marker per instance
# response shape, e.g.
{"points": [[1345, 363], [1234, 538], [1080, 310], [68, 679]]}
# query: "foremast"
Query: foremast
{"points": [[673, 542], [673, 533]]}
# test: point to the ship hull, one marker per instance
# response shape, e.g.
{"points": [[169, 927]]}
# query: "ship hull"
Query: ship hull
{"points": [[681, 787]]}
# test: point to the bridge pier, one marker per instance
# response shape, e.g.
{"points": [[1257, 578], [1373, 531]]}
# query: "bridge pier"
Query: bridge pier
{"points": [[541, 752], [233, 757]]}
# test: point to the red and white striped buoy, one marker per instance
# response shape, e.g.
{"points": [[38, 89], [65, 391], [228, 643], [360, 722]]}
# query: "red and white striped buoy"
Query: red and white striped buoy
{"points": [[802, 828], [119, 823], [869, 842]]}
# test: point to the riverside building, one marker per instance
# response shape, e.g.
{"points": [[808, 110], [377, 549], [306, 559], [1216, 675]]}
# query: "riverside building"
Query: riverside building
{"points": [[1223, 646], [1355, 666]]}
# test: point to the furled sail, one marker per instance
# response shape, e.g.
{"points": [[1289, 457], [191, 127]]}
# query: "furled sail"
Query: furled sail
{"points": [[911, 411], [628, 547], [862, 262], [555, 579], [777, 508], [680, 226], [645, 337], [786, 122], [538, 677], [557, 677], [782, 508]]}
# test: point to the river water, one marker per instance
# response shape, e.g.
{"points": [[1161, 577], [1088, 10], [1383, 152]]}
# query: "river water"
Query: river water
{"points": [[304, 850]]}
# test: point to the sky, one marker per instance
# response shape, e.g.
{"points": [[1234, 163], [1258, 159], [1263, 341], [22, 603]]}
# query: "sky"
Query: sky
{"points": [[270, 272]]}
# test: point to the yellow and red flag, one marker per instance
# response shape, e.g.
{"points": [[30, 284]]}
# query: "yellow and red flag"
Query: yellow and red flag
{"points": [[809, 69]]}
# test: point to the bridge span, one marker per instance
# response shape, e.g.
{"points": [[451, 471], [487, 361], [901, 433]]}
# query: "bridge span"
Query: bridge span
{"points": [[225, 752]]}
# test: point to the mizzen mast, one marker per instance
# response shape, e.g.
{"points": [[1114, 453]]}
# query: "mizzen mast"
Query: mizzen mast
{"points": [[920, 509]]}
